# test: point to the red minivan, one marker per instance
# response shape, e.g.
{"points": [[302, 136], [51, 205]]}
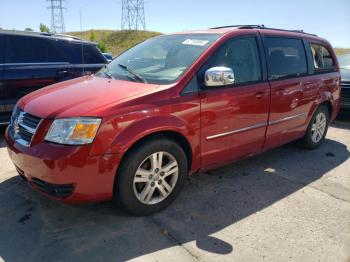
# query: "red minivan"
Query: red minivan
{"points": [[172, 106]]}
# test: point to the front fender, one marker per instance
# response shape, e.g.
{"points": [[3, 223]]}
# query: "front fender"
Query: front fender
{"points": [[119, 134]]}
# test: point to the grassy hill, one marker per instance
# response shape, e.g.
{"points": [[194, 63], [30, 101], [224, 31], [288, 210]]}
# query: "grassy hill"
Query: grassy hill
{"points": [[115, 42]]}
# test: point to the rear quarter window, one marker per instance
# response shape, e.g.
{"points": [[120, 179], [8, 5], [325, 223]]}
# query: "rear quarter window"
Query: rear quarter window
{"points": [[322, 58], [92, 55], [286, 57]]}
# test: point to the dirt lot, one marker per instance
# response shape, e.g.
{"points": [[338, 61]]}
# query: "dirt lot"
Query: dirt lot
{"points": [[288, 204]]}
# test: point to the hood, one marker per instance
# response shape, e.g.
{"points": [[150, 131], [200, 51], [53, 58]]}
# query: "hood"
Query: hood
{"points": [[80, 96], [345, 74]]}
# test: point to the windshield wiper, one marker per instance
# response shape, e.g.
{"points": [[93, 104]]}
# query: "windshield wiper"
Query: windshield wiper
{"points": [[136, 75]]}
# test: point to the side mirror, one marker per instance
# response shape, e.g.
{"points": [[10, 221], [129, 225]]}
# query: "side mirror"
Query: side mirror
{"points": [[219, 76]]}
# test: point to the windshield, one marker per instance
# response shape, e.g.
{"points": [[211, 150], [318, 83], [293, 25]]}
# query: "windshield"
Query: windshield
{"points": [[160, 60], [344, 61]]}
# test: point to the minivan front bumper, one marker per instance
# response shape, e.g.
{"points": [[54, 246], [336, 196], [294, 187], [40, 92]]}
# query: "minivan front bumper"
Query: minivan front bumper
{"points": [[66, 173]]}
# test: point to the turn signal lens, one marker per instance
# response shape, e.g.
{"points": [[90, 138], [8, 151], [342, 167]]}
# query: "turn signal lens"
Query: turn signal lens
{"points": [[73, 131]]}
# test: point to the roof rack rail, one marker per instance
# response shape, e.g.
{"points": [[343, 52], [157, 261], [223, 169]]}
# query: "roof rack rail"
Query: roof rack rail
{"points": [[60, 35], [239, 26], [263, 27]]}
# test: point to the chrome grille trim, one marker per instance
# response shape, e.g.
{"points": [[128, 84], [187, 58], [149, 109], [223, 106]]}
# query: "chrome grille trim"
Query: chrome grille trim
{"points": [[23, 127]]}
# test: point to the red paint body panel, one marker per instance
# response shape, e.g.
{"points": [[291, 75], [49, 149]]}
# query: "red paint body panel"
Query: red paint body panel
{"points": [[131, 111]]}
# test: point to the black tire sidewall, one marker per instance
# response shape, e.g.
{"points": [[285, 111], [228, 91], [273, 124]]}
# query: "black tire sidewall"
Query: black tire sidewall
{"points": [[124, 192]]}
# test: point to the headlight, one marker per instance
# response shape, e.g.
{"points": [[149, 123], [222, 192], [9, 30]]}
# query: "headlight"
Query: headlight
{"points": [[73, 131]]}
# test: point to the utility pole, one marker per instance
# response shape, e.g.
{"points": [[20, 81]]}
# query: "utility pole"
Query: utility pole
{"points": [[133, 15], [57, 20]]}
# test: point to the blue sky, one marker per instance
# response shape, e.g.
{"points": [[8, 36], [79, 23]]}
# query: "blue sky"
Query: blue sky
{"points": [[329, 19]]}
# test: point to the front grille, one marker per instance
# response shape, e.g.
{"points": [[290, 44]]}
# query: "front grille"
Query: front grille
{"points": [[345, 84], [345, 97], [59, 191], [23, 126]]}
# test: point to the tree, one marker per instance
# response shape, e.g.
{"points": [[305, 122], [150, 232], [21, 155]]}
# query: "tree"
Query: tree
{"points": [[44, 28], [92, 36], [102, 46], [28, 29]]}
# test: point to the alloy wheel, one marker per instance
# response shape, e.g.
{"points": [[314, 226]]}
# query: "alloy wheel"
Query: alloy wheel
{"points": [[318, 127], [155, 178]]}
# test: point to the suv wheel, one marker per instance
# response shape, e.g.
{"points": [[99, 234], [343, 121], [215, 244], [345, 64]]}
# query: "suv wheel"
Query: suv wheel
{"points": [[151, 176], [317, 129]]}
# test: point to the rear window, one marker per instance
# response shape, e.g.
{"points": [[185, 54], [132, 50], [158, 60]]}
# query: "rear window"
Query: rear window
{"points": [[323, 60], [24, 49], [286, 57]]}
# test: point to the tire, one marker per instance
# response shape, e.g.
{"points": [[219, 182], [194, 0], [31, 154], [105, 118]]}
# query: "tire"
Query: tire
{"points": [[309, 141], [136, 176]]}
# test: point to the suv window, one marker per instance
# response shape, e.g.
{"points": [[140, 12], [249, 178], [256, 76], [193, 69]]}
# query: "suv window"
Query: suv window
{"points": [[24, 49], [242, 56], [55, 53], [92, 55], [323, 60], [286, 57], [1, 50]]}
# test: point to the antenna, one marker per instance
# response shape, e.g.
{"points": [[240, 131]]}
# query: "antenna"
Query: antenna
{"points": [[57, 20], [133, 15], [82, 45]]}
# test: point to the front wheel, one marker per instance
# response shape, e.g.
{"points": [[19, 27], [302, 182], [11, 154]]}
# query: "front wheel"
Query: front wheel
{"points": [[317, 129], [151, 176]]}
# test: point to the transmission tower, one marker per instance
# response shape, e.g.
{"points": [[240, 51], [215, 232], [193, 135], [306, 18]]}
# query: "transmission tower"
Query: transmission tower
{"points": [[133, 15], [57, 21]]}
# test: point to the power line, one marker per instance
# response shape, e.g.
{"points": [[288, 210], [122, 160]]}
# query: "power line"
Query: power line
{"points": [[133, 15], [57, 20]]}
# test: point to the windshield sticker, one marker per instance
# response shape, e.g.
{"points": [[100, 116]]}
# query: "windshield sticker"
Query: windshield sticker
{"points": [[195, 42]]}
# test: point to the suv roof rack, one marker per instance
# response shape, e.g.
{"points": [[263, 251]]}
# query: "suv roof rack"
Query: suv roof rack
{"points": [[262, 27], [60, 35]]}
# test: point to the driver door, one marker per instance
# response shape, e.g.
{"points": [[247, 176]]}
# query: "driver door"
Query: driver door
{"points": [[234, 117]]}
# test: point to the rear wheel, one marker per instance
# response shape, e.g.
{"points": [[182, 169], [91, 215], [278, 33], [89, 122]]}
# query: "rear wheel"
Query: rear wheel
{"points": [[317, 129], [151, 176]]}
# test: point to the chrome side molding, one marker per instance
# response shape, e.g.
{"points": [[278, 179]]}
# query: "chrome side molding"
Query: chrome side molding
{"points": [[256, 126]]}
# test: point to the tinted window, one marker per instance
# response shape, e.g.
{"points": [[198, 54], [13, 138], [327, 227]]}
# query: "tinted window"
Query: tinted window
{"points": [[71, 50], [286, 57], [242, 56], [92, 55], [322, 58], [1, 50], [55, 53], [24, 49]]}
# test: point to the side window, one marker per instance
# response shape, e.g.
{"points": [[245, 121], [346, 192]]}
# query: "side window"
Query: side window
{"points": [[323, 60], [286, 57], [72, 51], [1, 50], [191, 87], [55, 53], [24, 49], [242, 56], [92, 55]]}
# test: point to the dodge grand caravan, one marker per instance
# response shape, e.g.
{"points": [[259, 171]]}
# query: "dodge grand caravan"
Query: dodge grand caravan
{"points": [[172, 106]]}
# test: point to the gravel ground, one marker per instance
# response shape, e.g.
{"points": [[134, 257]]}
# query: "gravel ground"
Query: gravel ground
{"points": [[287, 204]]}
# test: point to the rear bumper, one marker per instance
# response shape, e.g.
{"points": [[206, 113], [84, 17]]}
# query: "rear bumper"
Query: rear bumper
{"points": [[66, 173]]}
